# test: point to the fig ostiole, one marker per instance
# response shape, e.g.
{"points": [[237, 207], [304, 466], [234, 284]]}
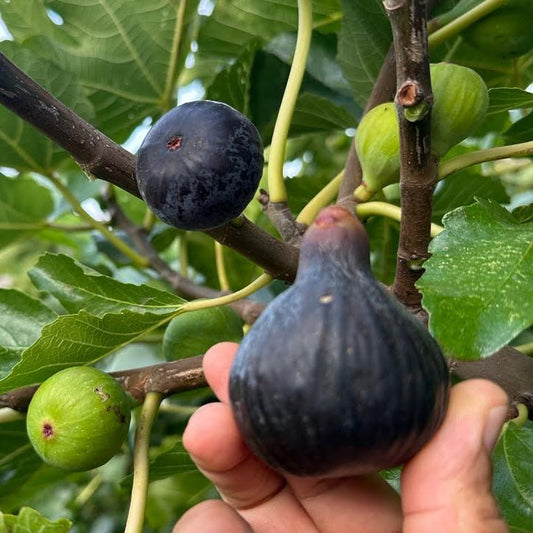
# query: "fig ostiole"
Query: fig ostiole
{"points": [[335, 377], [78, 418], [199, 165], [460, 102]]}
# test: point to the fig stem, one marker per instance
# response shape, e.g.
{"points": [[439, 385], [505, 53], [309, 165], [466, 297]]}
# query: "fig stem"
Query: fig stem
{"points": [[10, 415], [141, 463], [44, 225], [522, 417], [321, 199], [262, 281], [221, 267], [463, 21], [525, 348], [184, 255], [385, 209], [172, 72], [482, 156], [276, 185], [137, 259]]}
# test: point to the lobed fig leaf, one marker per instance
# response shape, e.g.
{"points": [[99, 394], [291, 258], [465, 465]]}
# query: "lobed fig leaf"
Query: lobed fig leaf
{"points": [[336, 378], [78, 418], [200, 165]]}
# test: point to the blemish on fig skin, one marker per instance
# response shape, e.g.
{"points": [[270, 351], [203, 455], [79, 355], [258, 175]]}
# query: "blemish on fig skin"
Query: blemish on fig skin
{"points": [[47, 430], [326, 299], [174, 143], [104, 396]]}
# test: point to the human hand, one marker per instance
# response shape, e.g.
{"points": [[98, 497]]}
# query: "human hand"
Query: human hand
{"points": [[446, 487]]}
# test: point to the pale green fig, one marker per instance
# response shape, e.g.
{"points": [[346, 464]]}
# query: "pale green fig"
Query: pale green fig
{"points": [[460, 101], [504, 33], [377, 145], [78, 418]]}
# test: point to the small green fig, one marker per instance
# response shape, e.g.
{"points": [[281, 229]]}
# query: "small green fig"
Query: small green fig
{"points": [[78, 418], [377, 144], [461, 99], [193, 333], [460, 103], [504, 33]]}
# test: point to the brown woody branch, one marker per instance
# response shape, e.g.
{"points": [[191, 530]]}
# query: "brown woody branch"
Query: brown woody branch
{"points": [[166, 378], [248, 310], [418, 167], [284, 221], [186, 374], [101, 157]]}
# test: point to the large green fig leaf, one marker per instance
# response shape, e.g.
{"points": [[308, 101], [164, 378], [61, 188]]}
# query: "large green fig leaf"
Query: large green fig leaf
{"points": [[521, 131], [463, 188], [513, 477], [507, 98], [79, 339], [124, 57], [173, 461], [106, 316], [24, 206], [234, 23], [364, 41], [231, 85], [29, 520], [21, 145], [23, 318], [22, 471], [78, 287], [477, 284]]}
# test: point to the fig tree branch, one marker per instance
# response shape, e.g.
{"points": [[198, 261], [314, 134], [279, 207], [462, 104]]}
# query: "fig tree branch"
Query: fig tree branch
{"points": [[382, 91], [248, 310], [418, 167], [459, 162], [508, 367], [164, 378], [102, 158], [457, 25]]}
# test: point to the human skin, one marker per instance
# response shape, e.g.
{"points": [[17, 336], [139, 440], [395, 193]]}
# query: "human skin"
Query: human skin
{"points": [[445, 488]]}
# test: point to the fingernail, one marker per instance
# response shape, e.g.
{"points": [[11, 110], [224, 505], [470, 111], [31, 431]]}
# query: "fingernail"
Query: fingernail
{"points": [[493, 426]]}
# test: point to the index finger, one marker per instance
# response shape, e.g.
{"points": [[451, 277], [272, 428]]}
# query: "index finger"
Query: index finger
{"points": [[216, 364]]}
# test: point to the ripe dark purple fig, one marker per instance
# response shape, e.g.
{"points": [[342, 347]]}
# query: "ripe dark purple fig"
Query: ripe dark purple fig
{"points": [[200, 165], [335, 377]]}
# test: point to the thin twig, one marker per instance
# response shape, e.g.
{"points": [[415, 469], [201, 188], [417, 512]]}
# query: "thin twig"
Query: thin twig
{"points": [[281, 217], [248, 310]]}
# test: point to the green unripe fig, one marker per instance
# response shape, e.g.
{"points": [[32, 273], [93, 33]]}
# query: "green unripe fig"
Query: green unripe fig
{"points": [[460, 101], [377, 144], [195, 332], [78, 418], [504, 33]]}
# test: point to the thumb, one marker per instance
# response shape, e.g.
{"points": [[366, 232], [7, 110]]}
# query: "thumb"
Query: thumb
{"points": [[446, 488]]}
